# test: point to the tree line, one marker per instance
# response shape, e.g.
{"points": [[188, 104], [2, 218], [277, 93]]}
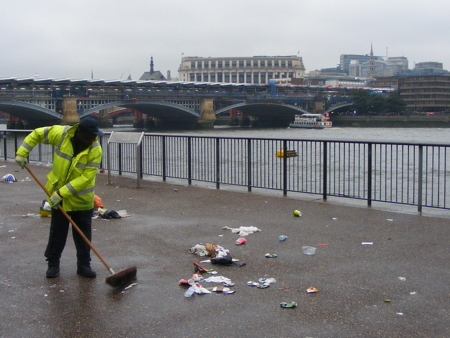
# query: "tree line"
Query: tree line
{"points": [[366, 103]]}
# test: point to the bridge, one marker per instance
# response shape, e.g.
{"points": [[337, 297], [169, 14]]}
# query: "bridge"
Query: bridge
{"points": [[168, 104]]}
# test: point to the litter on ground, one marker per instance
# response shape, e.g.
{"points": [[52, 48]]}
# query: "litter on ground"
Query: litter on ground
{"points": [[218, 279], [9, 178], [290, 305], [312, 289], [263, 283], [243, 231], [241, 241]]}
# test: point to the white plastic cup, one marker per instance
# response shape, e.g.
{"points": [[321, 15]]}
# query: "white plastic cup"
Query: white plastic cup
{"points": [[189, 292], [309, 250]]}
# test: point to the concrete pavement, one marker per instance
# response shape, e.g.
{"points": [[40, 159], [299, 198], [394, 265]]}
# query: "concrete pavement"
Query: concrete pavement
{"points": [[361, 292]]}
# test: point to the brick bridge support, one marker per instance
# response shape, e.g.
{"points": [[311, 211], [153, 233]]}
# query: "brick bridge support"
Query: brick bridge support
{"points": [[69, 111], [207, 114]]}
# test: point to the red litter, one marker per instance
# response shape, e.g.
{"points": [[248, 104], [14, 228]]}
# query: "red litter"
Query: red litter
{"points": [[241, 241]]}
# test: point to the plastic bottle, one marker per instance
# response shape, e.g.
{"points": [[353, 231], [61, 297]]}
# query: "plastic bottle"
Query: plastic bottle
{"points": [[189, 292]]}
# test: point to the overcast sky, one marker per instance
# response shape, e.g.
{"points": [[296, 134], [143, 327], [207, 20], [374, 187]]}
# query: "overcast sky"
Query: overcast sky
{"points": [[116, 38]]}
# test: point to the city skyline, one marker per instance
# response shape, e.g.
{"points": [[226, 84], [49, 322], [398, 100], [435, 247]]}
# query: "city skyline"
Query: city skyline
{"points": [[113, 40]]}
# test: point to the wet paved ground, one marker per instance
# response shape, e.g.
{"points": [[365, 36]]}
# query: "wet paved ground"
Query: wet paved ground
{"points": [[354, 280]]}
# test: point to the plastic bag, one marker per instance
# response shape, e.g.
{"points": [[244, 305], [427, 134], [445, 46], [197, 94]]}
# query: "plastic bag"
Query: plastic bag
{"points": [[109, 214], [9, 178], [225, 260]]}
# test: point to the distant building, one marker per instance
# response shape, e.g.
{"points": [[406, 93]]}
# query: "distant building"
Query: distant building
{"points": [[152, 74], [370, 66], [324, 71], [385, 82], [256, 69], [318, 79], [429, 68], [327, 72], [390, 67], [425, 93], [346, 59]]}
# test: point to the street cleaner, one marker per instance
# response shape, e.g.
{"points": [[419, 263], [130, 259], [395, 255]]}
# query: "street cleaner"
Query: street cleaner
{"points": [[71, 183]]}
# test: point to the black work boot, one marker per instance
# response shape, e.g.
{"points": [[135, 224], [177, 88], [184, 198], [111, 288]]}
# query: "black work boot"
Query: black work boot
{"points": [[86, 271], [52, 271]]}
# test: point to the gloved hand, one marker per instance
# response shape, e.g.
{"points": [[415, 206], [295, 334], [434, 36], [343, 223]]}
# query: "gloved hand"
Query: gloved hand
{"points": [[55, 199], [21, 161]]}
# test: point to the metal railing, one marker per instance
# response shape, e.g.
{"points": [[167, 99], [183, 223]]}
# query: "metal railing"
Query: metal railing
{"points": [[403, 173]]}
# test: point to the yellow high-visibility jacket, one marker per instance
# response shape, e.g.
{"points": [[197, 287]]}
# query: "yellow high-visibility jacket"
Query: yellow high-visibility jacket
{"points": [[72, 176]]}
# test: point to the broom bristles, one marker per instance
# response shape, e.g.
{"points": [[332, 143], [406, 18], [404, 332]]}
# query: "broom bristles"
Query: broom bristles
{"points": [[122, 277]]}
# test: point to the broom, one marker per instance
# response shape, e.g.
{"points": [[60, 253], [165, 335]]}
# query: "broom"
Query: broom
{"points": [[116, 279]]}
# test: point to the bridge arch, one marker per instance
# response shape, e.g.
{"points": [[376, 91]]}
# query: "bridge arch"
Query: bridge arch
{"points": [[267, 114], [252, 108], [28, 111], [329, 110], [159, 109]]}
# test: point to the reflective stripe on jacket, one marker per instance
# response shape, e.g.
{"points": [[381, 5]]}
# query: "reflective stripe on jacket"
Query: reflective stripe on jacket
{"points": [[72, 176]]}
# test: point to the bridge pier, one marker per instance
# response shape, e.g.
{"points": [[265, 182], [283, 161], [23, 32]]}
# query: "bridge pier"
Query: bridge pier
{"points": [[103, 122], [319, 105], [14, 122], [138, 122], [149, 123], [244, 121], [69, 111], [207, 114]]}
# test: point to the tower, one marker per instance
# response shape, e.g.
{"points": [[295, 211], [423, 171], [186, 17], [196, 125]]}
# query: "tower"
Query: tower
{"points": [[372, 71], [151, 65]]}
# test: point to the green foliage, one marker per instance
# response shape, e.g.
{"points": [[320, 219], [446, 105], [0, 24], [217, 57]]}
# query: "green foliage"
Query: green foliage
{"points": [[365, 103], [377, 103], [395, 103], [361, 101]]}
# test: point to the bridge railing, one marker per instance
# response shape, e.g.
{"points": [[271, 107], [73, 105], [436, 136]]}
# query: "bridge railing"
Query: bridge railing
{"points": [[403, 173]]}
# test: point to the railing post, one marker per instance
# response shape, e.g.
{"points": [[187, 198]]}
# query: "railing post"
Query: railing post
{"points": [[15, 143], [138, 165], [217, 163], [420, 180], [120, 158], [141, 161], [369, 174], [189, 162], [40, 152], [5, 148], [100, 140], [164, 158], [285, 167], [325, 170], [108, 161], [249, 165]]}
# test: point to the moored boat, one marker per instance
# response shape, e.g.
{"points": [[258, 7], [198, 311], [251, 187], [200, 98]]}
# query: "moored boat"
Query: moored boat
{"points": [[314, 121]]}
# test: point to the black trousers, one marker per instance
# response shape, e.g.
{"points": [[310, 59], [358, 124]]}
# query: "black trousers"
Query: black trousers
{"points": [[59, 228]]}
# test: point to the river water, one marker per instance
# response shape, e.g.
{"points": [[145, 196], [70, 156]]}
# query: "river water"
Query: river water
{"points": [[415, 135]]}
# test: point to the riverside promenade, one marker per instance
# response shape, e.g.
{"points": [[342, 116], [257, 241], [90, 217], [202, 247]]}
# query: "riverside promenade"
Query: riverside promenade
{"points": [[396, 284]]}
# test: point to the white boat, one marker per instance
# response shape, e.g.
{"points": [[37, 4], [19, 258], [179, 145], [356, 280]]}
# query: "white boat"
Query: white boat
{"points": [[315, 121]]}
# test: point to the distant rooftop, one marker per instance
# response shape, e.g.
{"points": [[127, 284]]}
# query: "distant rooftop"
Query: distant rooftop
{"points": [[152, 74]]}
